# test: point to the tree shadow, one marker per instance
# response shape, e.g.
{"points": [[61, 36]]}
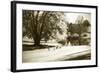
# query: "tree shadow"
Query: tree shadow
{"points": [[33, 47]]}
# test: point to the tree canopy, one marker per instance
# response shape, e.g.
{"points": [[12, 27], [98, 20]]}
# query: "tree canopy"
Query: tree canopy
{"points": [[40, 25]]}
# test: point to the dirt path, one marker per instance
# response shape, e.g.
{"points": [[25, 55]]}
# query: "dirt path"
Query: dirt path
{"points": [[63, 53]]}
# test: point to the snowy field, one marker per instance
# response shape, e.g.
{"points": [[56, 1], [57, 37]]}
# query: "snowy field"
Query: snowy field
{"points": [[54, 54]]}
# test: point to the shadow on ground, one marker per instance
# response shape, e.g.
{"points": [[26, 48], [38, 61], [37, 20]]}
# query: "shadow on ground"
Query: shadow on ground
{"points": [[33, 47]]}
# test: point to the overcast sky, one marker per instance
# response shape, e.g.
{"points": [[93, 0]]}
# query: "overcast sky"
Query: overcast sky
{"points": [[71, 17]]}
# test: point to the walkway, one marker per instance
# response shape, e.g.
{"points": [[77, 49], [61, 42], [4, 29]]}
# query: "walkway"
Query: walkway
{"points": [[62, 53]]}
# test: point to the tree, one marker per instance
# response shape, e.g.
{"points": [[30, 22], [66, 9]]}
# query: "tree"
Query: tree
{"points": [[79, 22], [40, 25], [86, 23]]}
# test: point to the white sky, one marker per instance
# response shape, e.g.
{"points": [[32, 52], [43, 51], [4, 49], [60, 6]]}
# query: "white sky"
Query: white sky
{"points": [[71, 17]]}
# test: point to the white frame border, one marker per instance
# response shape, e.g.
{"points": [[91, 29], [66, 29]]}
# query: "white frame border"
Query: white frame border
{"points": [[19, 63]]}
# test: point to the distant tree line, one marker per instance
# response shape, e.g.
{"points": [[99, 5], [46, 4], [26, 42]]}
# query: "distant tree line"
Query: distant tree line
{"points": [[77, 29]]}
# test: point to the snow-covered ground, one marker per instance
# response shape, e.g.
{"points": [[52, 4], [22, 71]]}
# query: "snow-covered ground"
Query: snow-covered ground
{"points": [[53, 54]]}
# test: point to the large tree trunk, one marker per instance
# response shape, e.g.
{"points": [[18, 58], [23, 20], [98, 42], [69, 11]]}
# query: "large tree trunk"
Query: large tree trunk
{"points": [[37, 41], [79, 40]]}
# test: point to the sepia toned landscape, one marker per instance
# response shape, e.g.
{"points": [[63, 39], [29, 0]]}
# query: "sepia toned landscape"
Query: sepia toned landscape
{"points": [[50, 36]]}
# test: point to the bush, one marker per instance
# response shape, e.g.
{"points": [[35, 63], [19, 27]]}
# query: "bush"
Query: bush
{"points": [[63, 42]]}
